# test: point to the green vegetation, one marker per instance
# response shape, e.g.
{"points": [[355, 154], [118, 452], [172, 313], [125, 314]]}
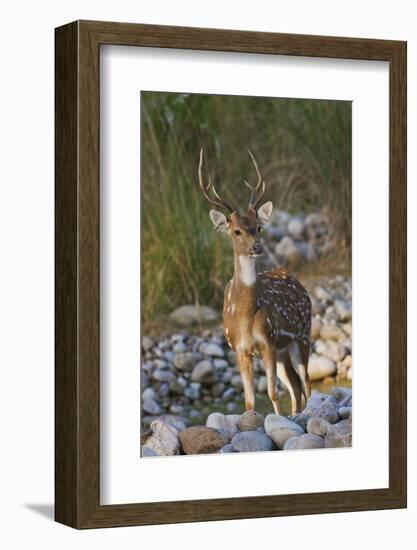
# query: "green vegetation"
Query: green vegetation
{"points": [[303, 148]]}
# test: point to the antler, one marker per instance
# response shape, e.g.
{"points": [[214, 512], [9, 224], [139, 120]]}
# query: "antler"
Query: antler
{"points": [[205, 189], [257, 191]]}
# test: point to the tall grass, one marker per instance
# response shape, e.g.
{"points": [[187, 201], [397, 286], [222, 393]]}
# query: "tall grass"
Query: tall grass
{"points": [[303, 148]]}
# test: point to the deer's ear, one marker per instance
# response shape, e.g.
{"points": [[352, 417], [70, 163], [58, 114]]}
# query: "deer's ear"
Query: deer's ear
{"points": [[219, 220], [265, 211]]}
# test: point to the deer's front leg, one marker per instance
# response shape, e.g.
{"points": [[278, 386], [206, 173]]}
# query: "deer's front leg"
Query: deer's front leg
{"points": [[245, 364], [269, 357]]}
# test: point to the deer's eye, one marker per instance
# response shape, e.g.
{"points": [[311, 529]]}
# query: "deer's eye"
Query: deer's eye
{"points": [[237, 232]]}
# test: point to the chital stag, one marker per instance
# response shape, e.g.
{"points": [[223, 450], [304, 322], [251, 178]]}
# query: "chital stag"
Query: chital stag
{"points": [[266, 314]]}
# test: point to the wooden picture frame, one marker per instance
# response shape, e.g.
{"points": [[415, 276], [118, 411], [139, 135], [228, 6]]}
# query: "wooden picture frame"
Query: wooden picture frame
{"points": [[77, 374]]}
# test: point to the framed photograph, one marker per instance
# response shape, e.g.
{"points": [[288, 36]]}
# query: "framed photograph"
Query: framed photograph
{"points": [[230, 274]]}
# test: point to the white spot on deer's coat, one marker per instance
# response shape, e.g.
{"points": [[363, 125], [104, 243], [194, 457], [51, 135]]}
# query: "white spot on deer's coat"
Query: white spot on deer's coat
{"points": [[247, 270], [232, 308]]}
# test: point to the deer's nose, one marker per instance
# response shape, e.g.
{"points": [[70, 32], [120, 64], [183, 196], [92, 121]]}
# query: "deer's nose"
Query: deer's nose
{"points": [[257, 248]]}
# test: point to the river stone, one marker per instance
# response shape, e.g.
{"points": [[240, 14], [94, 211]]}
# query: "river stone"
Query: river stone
{"points": [[345, 412], [220, 364], [343, 310], [236, 381], [227, 449], [228, 394], [340, 393], [148, 393], [191, 314], [200, 440], [316, 325], [279, 429], [179, 347], [335, 351], [147, 343], [232, 407], [226, 424], [339, 435], [250, 421], [323, 407], [178, 386], [162, 375], [319, 367], [346, 401], [301, 419], [287, 249], [204, 372], [179, 422], [318, 426], [163, 438], [150, 406], [262, 385], [211, 349], [251, 441], [147, 451], [331, 332], [306, 441], [217, 389], [295, 227], [280, 218], [321, 294], [193, 391], [184, 361]]}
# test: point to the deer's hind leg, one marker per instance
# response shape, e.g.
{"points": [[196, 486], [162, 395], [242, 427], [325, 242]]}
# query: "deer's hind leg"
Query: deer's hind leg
{"points": [[299, 354], [290, 379]]}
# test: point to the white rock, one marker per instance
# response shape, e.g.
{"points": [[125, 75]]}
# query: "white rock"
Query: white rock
{"points": [[211, 349], [287, 249], [318, 426], [148, 393], [319, 367], [316, 325], [279, 429], [147, 343], [150, 406], [331, 331], [204, 372], [191, 314], [250, 421], [339, 435], [343, 310], [345, 412], [321, 294], [227, 424], [280, 218], [335, 351], [163, 439], [296, 227]]}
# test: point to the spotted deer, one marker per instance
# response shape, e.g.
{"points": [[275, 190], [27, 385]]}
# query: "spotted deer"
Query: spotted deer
{"points": [[265, 314]]}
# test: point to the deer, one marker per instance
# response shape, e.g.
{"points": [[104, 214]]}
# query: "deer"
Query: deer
{"points": [[267, 314]]}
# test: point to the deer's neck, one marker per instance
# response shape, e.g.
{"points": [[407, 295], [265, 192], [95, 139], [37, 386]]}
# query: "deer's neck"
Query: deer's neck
{"points": [[245, 284]]}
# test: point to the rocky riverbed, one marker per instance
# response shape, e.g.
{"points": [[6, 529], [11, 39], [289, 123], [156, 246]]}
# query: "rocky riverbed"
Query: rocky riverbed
{"points": [[192, 372], [326, 422]]}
